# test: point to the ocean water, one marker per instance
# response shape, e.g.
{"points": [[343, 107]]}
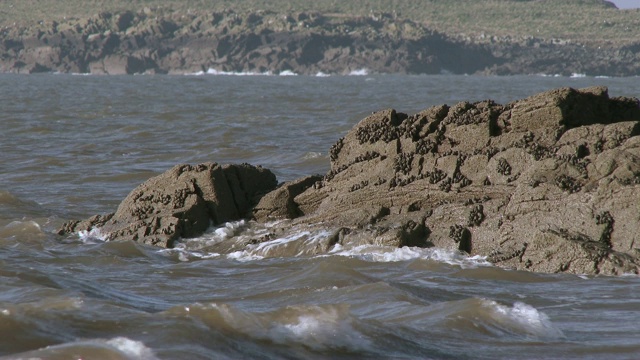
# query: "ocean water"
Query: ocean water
{"points": [[74, 146]]}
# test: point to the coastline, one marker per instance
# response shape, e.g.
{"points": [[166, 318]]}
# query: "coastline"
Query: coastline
{"points": [[149, 42]]}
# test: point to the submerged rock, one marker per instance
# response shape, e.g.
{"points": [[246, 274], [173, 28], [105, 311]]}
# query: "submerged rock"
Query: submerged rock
{"points": [[549, 183], [181, 203]]}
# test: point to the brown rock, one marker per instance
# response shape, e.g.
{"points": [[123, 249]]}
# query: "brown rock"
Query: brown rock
{"points": [[548, 183], [280, 204], [182, 202]]}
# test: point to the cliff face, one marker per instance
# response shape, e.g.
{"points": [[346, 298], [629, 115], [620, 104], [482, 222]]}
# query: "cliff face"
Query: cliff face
{"points": [[128, 43], [304, 43]]}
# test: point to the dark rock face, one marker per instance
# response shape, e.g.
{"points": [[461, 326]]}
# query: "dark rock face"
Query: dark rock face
{"points": [[147, 42], [549, 183], [279, 204], [160, 42], [182, 202]]}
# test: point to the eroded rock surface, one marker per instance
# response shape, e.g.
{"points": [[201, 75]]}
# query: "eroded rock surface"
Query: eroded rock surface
{"points": [[181, 203], [160, 42], [549, 183]]}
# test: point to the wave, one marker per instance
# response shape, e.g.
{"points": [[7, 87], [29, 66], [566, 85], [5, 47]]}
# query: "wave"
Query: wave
{"points": [[249, 241], [479, 319], [12, 206], [115, 348], [287, 73], [373, 329], [92, 236], [211, 71], [374, 253], [359, 72], [317, 327], [24, 230], [313, 155]]}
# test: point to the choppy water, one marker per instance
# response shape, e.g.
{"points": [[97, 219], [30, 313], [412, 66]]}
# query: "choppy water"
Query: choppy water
{"points": [[74, 146]]}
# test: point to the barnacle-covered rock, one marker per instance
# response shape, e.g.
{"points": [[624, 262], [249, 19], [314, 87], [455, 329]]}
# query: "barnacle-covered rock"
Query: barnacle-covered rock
{"points": [[182, 202]]}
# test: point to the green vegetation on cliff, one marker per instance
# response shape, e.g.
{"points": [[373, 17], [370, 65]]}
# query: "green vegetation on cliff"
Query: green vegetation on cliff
{"points": [[585, 21]]}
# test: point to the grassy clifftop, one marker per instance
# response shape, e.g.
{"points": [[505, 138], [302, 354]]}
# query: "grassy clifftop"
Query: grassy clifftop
{"points": [[585, 21]]}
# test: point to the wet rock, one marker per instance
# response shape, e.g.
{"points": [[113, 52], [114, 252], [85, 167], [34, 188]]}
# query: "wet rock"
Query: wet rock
{"points": [[549, 183], [536, 184], [280, 204], [181, 203]]}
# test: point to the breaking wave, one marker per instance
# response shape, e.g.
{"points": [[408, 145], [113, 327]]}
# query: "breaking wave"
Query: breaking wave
{"points": [[115, 348], [359, 72], [317, 327], [374, 253]]}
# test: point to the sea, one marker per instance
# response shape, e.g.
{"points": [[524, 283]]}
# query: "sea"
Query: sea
{"points": [[72, 146]]}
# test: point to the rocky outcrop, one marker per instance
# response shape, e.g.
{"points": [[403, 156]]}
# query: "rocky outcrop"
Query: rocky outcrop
{"points": [[159, 42], [549, 183], [181, 203]]}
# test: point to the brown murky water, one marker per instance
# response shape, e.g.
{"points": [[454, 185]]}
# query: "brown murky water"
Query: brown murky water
{"points": [[74, 146]]}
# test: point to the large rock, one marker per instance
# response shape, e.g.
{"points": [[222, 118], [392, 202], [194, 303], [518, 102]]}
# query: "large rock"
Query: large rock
{"points": [[549, 183], [182, 202]]}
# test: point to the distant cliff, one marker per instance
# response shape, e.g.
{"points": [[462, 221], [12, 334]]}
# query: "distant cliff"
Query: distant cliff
{"points": [[304, 43]]}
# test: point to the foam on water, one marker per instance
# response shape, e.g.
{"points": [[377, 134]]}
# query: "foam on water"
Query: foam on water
{"points": [[211, 71], [92, 236], [376, 253], [321, 74], [297, 244], [319, 327], [135, 349], [16, 227], [287, 73], [187, 255], [359, 72], [313, 155], [115, 348], [523, 318]]}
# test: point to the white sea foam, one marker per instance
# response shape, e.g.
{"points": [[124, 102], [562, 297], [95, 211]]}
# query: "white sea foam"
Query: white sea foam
{"points": [[524, 318], [92, 236], [188, 255], [549, 75], [375, 253], [213, 236], [319, 328], [321, 74], [116, 348], [211, 71], [297, 244], [313, 155], [359, 72], [23, 226], [576, 75], [287, 73], [135, 349]]}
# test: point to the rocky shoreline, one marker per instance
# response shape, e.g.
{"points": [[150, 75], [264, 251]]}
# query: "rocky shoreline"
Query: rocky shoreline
{"points": [[550, 183], [156, 42]]}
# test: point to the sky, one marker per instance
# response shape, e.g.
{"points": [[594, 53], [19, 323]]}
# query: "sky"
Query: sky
{"points": [[626, 4]]}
